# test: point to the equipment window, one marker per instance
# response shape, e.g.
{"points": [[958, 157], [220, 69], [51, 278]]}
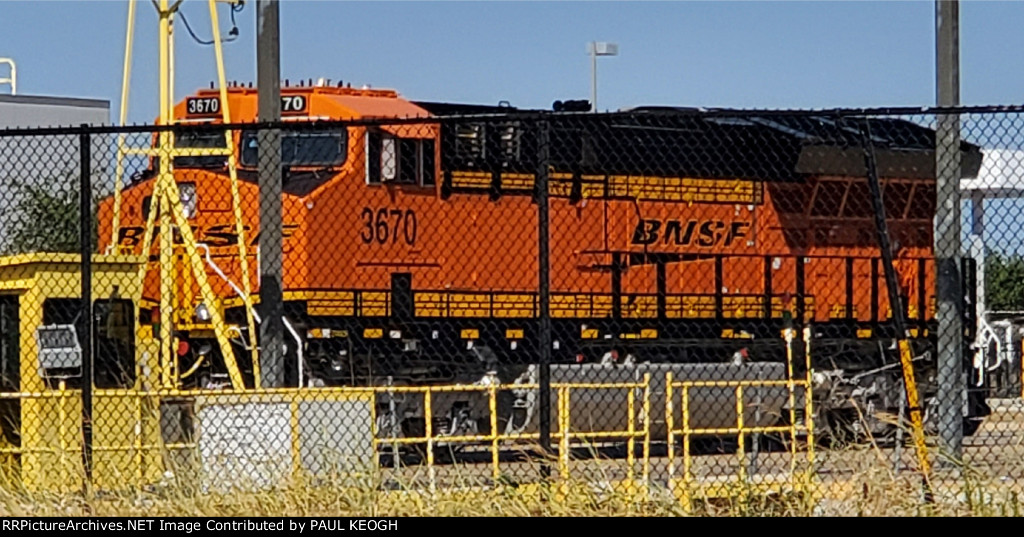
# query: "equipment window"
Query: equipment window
{"points": [[373, 159], [301, 149], [114, 345], [10, 344], [477, 142], [922, 203], [896, 196], [469, 141], [113, 337], [858, 201], [510, 135]]}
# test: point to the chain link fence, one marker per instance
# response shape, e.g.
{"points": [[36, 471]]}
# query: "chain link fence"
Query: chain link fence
{"points": [[664, 303]]}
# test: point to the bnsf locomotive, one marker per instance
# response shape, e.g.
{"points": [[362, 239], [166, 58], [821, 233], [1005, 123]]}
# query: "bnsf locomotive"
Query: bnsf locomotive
{"points": [[676, 237]]}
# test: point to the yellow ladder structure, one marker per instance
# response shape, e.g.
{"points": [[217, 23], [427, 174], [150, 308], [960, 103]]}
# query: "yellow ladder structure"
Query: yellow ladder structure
{"points": [[167, 199]]}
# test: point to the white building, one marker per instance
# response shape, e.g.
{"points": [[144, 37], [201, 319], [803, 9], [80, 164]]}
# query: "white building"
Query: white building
{"points": [[51, 159]]}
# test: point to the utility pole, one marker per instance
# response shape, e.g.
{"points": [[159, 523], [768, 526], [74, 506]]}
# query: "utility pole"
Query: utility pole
{"points": [[949, 291], [271, 255]]}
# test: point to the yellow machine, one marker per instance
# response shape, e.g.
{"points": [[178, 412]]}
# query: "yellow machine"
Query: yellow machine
{"points": [[42, 397]]}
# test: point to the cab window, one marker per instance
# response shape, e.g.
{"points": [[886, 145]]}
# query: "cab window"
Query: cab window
{"points": [[403, 161], [200, 139], [301, 149]]}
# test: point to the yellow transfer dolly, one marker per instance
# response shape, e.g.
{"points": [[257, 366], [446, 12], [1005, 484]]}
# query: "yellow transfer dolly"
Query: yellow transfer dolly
{"points": [[40, 379]]}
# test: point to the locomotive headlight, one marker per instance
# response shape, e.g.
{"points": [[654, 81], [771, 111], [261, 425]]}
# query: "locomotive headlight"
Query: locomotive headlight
{"points": [[203, 313], [189, 204]]}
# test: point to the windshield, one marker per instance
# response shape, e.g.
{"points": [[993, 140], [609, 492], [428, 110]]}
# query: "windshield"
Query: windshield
{"points": [[322, 148], [200, 139]]}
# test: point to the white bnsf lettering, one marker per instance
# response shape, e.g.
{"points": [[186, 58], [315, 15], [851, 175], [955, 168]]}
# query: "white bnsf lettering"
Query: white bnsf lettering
{"points": [[701, 233]]}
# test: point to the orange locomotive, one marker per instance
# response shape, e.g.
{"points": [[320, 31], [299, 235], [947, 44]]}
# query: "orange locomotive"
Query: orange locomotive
{"points": [[411, 243]]}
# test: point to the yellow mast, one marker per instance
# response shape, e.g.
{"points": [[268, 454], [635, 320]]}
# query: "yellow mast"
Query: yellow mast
{"points": [[236, 197], [166, 201]]}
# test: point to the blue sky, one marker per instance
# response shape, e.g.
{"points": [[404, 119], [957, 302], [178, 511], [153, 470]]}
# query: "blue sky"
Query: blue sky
{"points": [[737, 54]]}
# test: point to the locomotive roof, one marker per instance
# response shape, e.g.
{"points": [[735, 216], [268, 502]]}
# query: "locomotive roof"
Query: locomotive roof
{"points": [[709, 143], [732, 143]]}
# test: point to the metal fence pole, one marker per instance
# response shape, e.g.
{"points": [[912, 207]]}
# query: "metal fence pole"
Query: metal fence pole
{"points": [[544, 288], [271, 356], [85, 319], [947, 230]]}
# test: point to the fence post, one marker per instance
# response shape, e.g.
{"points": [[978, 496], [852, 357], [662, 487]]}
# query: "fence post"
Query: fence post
{"points": [[544, 290], [85, 320], [947, 231]]}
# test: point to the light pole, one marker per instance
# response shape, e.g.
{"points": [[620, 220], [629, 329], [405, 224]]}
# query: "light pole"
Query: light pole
{"points": [[598, 48]]}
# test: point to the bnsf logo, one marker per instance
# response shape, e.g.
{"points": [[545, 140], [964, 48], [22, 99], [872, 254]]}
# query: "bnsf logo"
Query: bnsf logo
{"points": [[215, 236], [706, 233]]}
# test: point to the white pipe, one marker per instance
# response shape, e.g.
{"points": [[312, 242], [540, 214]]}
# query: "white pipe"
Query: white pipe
{"points": [[986, 336], [12, 80], [298, 343], [255, 314], [1008, 349], [209, 261], [241, 337]]}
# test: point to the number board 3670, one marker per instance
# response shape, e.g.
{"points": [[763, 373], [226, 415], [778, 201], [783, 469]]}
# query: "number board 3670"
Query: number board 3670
{"points": [[210, 106]]}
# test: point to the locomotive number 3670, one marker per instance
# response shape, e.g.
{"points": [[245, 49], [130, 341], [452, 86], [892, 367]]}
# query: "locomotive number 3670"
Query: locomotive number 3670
{"points": [[388, 225]]}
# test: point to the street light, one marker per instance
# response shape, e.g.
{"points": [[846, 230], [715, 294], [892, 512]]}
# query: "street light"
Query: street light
{"points": [[595, 49]]}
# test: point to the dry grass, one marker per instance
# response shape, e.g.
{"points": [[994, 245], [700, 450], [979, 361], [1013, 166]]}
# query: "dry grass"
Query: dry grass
{"points": [[855, 480], [867, 492]]}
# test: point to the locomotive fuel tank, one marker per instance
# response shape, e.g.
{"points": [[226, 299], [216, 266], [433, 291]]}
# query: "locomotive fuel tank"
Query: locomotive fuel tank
{"points": [[710, 407]]}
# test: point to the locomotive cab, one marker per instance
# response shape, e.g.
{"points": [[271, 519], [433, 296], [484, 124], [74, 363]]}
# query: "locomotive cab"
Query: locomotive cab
{"points": [[315, 158]]}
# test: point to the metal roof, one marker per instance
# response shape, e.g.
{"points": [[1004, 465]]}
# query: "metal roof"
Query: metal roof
{"points": [[55, 101], [1001, 175]]}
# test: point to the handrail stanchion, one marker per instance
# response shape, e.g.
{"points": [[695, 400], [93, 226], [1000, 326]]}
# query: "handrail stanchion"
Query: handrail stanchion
{"points": [[429, 429], [493, 403], [647, 436], [630, 444], [563, 430], [669, 428], [741, 450]]}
